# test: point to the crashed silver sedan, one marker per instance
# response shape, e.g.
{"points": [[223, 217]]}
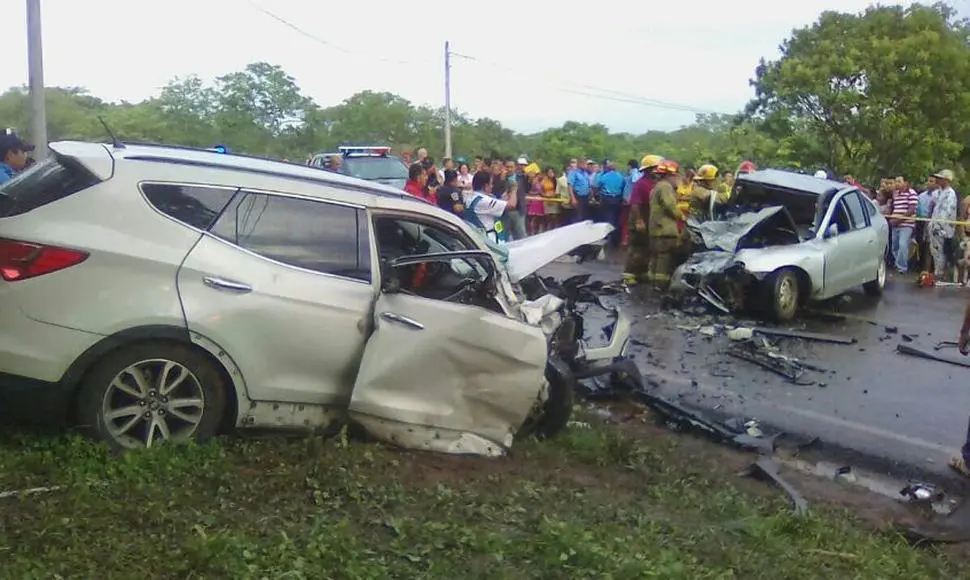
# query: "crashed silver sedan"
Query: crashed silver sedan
{"points": [[785, 239]]}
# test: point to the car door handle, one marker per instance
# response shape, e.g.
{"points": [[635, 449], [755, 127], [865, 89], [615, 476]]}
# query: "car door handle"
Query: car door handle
{"points": [[226, 285], [409, 322]]}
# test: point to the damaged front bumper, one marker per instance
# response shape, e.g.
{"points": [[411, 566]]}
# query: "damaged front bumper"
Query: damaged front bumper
{"points": [[717, 277]]}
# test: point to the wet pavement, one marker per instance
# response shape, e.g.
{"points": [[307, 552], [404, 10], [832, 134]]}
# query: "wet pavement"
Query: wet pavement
{"points": [[908, 411]]}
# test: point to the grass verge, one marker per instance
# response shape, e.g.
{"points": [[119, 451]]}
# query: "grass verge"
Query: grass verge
{"points": [[595, 502]]}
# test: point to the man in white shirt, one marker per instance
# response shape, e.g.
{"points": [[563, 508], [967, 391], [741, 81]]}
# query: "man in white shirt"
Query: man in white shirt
{"points": [[484, 211], [941, 228]]}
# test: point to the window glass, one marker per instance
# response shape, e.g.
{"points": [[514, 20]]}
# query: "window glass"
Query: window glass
{"points": [[856, 210], [309, 234], [840, 217], [47, 181], [194, 205]]}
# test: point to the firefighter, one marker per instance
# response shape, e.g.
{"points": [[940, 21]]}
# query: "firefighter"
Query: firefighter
{"points": [[637, 259], [746, 167], [662, 224], [706, 194]]}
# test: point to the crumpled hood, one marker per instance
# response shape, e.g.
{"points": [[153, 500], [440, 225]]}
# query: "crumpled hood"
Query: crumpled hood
{"points": [[726, 235], [528, 255]]}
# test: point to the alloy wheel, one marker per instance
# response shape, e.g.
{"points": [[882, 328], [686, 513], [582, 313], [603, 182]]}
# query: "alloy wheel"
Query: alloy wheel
{"points": [[153, 401]]}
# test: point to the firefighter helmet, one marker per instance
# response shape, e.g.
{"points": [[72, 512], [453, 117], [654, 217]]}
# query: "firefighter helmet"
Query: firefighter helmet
{"points": [[706, 172]]}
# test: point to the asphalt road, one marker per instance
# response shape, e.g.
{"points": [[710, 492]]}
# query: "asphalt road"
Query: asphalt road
{"points": [[909, 411]]}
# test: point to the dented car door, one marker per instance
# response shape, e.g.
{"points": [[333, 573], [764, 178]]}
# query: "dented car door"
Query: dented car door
{"points": [[445, 369]]}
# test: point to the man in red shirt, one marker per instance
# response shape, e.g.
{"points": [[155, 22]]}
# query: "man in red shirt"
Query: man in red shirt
{"points": [[417, 180]]}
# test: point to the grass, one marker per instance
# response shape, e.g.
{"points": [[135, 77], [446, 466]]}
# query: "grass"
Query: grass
{"points": [[594, 503]]}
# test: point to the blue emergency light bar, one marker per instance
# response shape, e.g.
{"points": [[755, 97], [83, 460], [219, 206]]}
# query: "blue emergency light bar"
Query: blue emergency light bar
{"points": [[220, 149]]}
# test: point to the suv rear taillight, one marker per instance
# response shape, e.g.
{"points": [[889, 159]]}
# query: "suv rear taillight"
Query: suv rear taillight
{"points": [[22, 260]]}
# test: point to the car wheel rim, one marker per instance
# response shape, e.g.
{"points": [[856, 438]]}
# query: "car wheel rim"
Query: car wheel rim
{"points": [[152, 401], [881, 274], [786, 294]]}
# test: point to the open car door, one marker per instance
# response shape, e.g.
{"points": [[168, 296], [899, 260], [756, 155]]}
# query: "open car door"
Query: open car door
{"points": [[446, 369]]}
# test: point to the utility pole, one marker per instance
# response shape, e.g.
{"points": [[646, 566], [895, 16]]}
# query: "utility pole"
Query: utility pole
{"points": [[35, 66], [447, 99]]}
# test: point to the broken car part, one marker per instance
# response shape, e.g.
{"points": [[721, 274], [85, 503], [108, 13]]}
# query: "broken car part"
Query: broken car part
{"points": [[748, 351], [767, 469], [913, 351], [804, 335]]}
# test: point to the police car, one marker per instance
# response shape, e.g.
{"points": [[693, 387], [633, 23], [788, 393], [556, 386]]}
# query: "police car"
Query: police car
{"points": [[370, 163]]}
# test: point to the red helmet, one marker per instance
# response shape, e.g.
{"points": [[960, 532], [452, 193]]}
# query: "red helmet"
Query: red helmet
{"points": [[747, 167], [667, 167]]}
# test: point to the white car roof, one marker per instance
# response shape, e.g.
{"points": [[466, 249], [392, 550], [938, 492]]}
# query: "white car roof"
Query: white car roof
{"points": [[248, 172]]}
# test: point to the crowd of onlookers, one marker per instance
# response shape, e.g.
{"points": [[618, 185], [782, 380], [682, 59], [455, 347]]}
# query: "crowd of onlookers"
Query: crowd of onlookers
{"points": [[928, 231], [513, 198]]}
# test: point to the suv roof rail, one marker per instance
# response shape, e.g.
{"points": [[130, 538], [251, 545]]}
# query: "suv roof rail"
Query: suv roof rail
{"points": [[320, 180], [213, 150]]}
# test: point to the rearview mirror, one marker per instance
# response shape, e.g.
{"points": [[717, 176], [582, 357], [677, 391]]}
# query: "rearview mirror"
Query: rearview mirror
{"points": [[832, 231]]}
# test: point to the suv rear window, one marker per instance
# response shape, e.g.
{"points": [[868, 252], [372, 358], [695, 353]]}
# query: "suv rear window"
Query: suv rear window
{"points": [[46, 182]]}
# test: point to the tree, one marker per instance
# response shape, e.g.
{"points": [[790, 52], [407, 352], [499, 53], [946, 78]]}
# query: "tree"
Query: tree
{"points": [[883, 92], [262, 111], [264, 94]]}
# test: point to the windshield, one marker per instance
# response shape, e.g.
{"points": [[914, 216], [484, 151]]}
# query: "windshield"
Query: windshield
{"points": [[375, 168]]}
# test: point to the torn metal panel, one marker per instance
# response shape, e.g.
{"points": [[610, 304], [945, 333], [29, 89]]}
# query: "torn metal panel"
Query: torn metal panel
{"points": [[543, 312], [728, 235], [447, 377], [527, 255]]}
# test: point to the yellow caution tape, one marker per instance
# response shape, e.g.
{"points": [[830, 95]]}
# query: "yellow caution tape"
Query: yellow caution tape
{"points": [[912, 218]]}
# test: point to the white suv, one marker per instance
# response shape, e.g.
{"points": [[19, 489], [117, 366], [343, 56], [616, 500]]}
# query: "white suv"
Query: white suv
{"points": [[153, 293]]}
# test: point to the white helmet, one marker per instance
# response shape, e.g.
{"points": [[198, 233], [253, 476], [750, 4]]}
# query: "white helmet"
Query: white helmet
{"points": [[821, 174]]}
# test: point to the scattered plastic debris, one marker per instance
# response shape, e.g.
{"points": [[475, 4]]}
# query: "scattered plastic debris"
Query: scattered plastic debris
{"points": [[740, 333], [845, 474]]}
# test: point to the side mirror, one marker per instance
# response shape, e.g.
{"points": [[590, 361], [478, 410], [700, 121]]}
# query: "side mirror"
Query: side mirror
{"points": [[832, 231]]}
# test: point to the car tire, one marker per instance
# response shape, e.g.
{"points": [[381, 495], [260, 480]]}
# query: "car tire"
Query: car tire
{"points": [[558, 408], [167, 390], [876, 287], [783, 294]]}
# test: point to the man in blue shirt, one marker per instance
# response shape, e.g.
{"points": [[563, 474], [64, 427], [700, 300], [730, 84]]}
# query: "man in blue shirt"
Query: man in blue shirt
{"points": [[610, 186], [13, 156], [579, 187]]}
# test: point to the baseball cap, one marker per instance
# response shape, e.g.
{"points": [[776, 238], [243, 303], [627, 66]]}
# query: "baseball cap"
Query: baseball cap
{"points": [[522, 161], [11, 142]]}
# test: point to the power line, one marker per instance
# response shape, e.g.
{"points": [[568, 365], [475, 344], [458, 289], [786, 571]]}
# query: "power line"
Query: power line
{"points": [[601, 92], [583, 90], [321, 41]]}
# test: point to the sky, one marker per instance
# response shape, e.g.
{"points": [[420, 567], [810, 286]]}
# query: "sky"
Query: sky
{"points": [[528, 65]]}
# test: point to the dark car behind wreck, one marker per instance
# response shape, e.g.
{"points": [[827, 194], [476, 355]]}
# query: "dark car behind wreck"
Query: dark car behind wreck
{"points": [[784, 239]]}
